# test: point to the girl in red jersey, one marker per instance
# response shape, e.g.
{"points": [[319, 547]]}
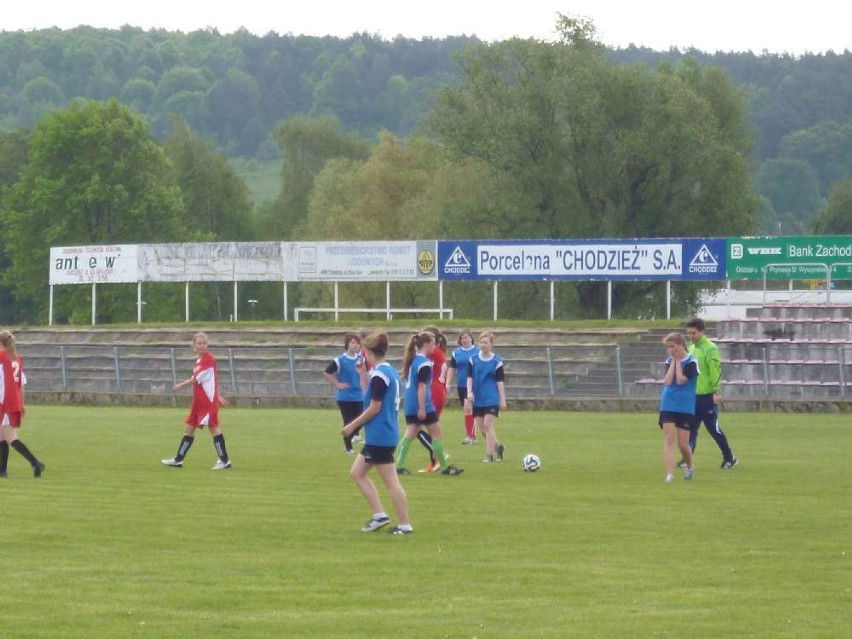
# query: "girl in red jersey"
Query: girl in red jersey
{"points": [[11, 405], [205, 406]]}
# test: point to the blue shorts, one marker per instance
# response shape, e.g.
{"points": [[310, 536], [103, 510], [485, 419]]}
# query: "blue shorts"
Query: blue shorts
{"points": [[482, 411]]}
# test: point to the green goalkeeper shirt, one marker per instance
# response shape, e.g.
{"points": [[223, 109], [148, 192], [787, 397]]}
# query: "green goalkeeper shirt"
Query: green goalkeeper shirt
{"points": [[709, 366]]}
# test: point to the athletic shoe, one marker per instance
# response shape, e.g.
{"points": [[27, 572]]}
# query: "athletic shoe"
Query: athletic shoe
{"points": [[38, 469], [688, 474], [356, 439], [467, 441], [452, 470], [431, 468], [500, 449], [222, 465], [681, 463], [396, 530], [403, 471], [351, 451], [375, 524], [669, 479], [730, 463], [174, 463], [488, 459]]}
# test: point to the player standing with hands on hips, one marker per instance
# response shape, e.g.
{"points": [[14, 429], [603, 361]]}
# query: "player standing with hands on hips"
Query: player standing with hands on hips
{"points": [[708, 392], [205, 406], [677, 404]]}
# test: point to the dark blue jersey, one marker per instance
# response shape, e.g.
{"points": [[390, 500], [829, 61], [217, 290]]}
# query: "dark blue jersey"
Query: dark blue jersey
{"points": [[486, 373], [460, 360], [680, 398], [420, 372], [383, 428], [347, 370]]}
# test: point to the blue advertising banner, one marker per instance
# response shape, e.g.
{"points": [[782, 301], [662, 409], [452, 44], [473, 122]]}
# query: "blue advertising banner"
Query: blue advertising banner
{"points": [[699, 259]]}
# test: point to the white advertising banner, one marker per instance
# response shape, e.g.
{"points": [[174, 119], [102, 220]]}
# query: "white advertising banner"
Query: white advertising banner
{"points": [[214, 262], [364, 261], [113, 264]]}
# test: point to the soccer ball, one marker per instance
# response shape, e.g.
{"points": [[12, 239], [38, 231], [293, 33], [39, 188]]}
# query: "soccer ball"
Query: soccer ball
{"points": [[530, 463]]}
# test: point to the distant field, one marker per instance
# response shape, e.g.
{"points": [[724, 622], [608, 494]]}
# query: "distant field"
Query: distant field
{"points": [[263, 178], [111, 544]]}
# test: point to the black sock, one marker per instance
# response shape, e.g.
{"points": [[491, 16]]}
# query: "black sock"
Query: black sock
{"points": [[347, 441], [4, 456], [219, 444], [183, 448], [22, 448], [426, 439]]}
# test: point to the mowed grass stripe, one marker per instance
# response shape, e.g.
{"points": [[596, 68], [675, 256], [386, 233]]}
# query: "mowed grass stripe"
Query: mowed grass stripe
{"points": [[111, 544]]}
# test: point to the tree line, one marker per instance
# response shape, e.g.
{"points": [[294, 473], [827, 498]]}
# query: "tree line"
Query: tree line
{"points": [[513, 139]]}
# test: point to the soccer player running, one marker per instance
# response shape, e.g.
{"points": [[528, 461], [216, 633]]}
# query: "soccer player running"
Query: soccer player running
{"points": [[419, 409], [708, 392], [347, 374], [205, 406], [677, 404], [460, 362], [381, 433], [12, 405], [486, 393]]}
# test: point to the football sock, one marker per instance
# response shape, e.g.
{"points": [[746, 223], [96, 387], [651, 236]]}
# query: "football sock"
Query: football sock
{"points": [[347, 442], [426, 439], [4, 456], [183, 447], [22, 448], [468, 426], [380, 515], [439, 451], [402, 449], [219, 444]]}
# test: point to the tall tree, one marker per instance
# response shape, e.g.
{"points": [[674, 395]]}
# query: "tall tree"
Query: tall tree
{"points": [[94, 176], [836, 217], [308, 143], [587, 148]]}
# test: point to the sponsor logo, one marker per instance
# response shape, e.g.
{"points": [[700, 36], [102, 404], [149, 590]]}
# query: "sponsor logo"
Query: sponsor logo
{"points": [[425, 262], [736, 251], [764, 250], [703, 262], [457, 262]]}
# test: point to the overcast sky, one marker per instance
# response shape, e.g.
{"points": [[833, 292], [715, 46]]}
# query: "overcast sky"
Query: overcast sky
{"points": [[712, 25]]}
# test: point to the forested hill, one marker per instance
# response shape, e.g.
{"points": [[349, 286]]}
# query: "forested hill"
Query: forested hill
{"points": [[235, 88], [238, 86]]}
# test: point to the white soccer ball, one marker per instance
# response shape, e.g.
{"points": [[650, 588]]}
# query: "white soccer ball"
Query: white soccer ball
{"points": [[530, 463]]}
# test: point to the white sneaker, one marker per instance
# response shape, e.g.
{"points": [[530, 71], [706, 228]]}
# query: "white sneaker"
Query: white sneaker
{"points": [[174, 463], [688, 474], [220, 465], [356, 439], [669, 479]]}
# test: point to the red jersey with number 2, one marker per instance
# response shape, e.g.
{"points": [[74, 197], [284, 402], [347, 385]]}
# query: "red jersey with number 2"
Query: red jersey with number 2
{"points": [[205, 393], [10, 394]]}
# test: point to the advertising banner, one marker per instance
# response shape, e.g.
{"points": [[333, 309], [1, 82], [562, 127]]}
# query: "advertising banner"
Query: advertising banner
{"points": [[630, 259], [116, 264], [789, 258], [363, 261], [213, 262]]}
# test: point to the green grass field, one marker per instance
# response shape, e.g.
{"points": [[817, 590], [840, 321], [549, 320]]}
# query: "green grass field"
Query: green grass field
{"points": [[111, 544]]}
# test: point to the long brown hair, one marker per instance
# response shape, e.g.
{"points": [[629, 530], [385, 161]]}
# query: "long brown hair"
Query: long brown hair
{"points": [[418, 340], [8, 341]]}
